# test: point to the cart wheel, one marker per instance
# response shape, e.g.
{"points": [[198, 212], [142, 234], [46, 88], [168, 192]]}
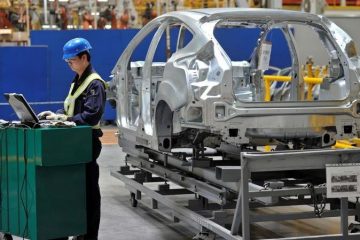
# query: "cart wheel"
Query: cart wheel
{"points": [[6, 237], [133, 200], [204, 236], [354, 228]]}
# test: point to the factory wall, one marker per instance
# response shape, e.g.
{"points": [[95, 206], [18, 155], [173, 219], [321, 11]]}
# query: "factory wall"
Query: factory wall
{"points": [[23, 70], [39, 72]]}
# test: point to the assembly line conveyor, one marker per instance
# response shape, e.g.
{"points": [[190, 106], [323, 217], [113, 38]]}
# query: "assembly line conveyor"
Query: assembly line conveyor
{"points": [[227, 196]]}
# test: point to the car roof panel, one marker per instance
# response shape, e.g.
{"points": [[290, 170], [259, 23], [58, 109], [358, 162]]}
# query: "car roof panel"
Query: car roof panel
{"points": [[210, 14]]}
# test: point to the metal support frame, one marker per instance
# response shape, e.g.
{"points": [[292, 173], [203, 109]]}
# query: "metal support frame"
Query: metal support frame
{"points": [[243, 216], [212, 193], [179, 212], [292, 160]]}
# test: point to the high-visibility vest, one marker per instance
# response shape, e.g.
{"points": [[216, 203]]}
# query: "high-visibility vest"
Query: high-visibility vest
{"points": [[69, 103]]}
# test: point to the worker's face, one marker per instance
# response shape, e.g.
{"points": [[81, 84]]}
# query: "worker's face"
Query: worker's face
{"points": [[77, 64]]}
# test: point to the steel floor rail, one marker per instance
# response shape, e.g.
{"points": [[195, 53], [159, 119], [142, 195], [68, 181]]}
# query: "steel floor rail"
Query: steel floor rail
{"points": [[179, 211]]}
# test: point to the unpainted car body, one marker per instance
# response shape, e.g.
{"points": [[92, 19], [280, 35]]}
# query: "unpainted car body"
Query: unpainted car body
{"points": [[200, 95]]}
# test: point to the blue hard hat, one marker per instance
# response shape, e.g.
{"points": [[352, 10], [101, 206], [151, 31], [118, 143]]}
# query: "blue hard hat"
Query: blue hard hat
{"points": [[75, 46]]}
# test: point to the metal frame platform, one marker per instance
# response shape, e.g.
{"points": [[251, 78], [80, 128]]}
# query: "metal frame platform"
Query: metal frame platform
{"points": [[227, 196]]}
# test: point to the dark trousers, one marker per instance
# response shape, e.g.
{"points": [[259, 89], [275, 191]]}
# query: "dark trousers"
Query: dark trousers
{"points": [[93, 198]]}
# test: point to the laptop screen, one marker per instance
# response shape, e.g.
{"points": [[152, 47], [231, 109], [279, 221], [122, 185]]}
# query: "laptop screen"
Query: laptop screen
{"points": [[21, 107]]}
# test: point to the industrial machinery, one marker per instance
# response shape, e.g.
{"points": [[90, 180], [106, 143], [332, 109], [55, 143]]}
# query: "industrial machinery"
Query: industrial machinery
{"points": [[231, 85]]}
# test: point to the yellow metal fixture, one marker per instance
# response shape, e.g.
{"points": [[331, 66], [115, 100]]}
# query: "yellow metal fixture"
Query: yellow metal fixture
{"points": [[315, 75], [268, 81], [344, 144], [311, 82], [356, 141]]}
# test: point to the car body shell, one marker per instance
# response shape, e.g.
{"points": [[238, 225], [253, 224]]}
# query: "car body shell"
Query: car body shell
{"points": [[191, 94]]}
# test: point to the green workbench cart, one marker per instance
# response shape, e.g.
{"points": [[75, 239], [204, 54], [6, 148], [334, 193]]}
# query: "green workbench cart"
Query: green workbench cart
{"points": [[42, 181]]}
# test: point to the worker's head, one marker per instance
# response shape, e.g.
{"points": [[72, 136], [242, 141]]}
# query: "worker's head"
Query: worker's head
{"points": [[77, 54]]}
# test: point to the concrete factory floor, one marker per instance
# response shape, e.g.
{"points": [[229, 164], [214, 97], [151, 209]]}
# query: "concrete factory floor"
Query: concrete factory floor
{"points": [[121, 221]]}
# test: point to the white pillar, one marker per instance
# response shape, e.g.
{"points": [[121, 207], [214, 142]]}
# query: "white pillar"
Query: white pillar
{"points": [[27, 21], [45, 12], [96, 16], [277, 4], [242, 3]]}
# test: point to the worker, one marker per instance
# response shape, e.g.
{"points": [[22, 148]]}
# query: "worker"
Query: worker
{"points": [[88, 20], [85, 105]]}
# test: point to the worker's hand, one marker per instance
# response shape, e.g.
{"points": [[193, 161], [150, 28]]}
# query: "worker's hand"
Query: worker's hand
{"points": [[59, 117], [44, 114]]}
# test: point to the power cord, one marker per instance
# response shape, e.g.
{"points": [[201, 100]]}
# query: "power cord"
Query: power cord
{"points": [[1, 164], [24, 184], [24, 181], [319, 207]]}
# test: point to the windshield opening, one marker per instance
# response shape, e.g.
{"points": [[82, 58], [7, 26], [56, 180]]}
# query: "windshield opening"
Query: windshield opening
{"points": [[282, 62]]}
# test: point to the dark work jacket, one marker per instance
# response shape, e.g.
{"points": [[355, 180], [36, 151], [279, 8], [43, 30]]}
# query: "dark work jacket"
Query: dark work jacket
{"points": [[90, 105]]}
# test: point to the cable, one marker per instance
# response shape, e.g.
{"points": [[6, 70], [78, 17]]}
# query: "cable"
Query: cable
{"points": [[24, 183], [20, 125], [319, 208], [1, 164]]}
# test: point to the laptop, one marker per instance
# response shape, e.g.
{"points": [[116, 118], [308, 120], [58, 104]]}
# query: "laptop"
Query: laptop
{"points": [[22, 108]]}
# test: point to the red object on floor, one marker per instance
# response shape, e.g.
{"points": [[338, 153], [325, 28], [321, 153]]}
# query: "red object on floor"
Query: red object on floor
{"points": [[330, 2]]}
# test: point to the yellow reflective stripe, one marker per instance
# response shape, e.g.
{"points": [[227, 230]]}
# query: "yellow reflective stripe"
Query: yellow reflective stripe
{"points": [[67, 100], [97, 126], [69, 103]]}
